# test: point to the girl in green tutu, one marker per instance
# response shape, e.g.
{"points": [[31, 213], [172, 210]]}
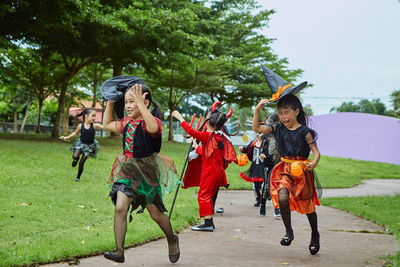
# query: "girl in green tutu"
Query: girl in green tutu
{"points": [[140, 174]]}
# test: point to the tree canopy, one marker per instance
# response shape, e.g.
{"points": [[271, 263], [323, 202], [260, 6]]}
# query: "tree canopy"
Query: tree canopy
{"points": [[183, 49]]}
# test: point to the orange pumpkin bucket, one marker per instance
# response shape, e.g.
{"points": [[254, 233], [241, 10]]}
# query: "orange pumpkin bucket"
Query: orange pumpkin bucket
{"points": [[296, 168], [242, 159]]}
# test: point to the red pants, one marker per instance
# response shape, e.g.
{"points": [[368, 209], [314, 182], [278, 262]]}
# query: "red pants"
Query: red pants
{"points": [[208, 187]]}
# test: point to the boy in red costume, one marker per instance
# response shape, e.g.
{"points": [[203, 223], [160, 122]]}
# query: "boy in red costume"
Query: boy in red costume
{"points": [[217, 152]]}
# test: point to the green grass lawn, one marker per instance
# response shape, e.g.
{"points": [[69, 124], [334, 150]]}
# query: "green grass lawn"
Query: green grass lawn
{"points": [[384, 211], [46, 216]]}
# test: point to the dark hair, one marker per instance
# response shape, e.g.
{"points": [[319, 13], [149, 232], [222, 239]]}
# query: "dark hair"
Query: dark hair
{"points": [[217, 120], [156, 108], [84, 112], [293, 102]]}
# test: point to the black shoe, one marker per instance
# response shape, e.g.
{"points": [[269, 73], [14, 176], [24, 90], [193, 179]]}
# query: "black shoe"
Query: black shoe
{"points": [[287, 240], [77, 179], [314, 244], [203, 227], [74, 162], [262, 210], [277, 213], [111, 256], [257, 203], [174, 258], [220, 210]]}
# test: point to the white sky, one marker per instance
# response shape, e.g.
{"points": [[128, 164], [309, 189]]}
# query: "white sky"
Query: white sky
{"points": [[349, 49]]}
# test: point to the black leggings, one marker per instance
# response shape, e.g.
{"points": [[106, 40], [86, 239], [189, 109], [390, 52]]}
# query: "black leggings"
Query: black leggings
{"points": [[76, 156], [283, 197]]}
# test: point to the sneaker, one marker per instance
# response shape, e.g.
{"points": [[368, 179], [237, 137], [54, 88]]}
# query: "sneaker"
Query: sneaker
{"points": [[257, 203], [77, 179], [262, 211], [220, 210], [74, 162], [277, 213]]}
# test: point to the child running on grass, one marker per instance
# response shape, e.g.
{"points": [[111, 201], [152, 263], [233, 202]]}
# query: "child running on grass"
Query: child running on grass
{"points": [[140, 174], [292, 180], [86, 145]]}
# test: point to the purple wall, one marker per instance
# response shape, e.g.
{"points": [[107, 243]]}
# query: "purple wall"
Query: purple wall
{"points": [[358, 136]]}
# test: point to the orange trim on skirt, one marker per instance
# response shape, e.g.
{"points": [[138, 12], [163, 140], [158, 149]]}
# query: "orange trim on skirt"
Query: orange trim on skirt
{"points": [[302, 194]]}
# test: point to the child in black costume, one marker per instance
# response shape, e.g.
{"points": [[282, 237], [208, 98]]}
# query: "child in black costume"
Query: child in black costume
{"points": [[272, 158], [86, 144], [293, 181], [255, 151]]}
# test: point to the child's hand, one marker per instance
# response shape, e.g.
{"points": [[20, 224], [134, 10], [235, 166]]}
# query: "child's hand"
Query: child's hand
{"points": [[65, 138], [137, 94], [310, 165], [240, 148], [262, 156], [261, 104], [177, 115]]}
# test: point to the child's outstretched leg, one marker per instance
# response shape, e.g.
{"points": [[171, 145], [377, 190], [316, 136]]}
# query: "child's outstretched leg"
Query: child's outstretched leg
{"points": [[120, 224], [314, 243], [283, 198], [165, 224], [75, 156], [80, 169]]}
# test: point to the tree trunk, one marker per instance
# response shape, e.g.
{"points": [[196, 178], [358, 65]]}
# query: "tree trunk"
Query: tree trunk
{"points": [[39, 117], [15, 120], [95, 81], [61, 100], [21, 130], [117, 70], [171, 127], [65, 121]]}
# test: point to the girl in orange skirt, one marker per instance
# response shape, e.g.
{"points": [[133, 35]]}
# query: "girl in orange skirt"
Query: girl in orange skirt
{"points": [[292, 180]]}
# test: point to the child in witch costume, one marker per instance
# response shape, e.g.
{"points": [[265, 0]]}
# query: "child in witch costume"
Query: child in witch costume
{"points": [[140, 174], [217, 152], [86, 145], [292, 180]]}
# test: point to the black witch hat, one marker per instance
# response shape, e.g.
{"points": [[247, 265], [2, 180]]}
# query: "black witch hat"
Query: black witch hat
{"points": [[279, 86], [114, 90]]}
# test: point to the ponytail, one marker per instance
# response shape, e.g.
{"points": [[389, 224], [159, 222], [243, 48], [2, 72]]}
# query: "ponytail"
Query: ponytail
{"points": [[84, 112], [156, 112]]}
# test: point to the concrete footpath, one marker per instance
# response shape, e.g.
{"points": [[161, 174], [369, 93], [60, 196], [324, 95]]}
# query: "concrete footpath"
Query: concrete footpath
{"points": [[243, 238]]}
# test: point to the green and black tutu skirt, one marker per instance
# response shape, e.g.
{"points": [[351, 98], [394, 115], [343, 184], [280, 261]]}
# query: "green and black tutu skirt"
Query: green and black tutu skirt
{"points": [[145, 180], [87, 150]]}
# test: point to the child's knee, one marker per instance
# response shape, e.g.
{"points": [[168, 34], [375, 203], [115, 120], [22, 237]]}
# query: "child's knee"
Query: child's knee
{"points": [[121, 209]]}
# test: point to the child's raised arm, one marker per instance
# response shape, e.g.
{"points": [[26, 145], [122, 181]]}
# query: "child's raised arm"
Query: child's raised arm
{"points": [[139, 98], [201, 136], [108, 123], [74, 133], [98, 126], [256, 119]]}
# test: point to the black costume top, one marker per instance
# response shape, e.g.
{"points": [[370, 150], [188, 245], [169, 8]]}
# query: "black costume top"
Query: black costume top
{"points": [[144, 144], [87, 135], [293, 143]]}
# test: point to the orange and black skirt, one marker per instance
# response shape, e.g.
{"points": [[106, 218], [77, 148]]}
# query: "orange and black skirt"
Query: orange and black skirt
{"points": [[302, 193]]}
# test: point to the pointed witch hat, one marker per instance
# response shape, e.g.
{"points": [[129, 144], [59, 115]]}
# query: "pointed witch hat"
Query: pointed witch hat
{"points": [[114, 90], [279, 86]]}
